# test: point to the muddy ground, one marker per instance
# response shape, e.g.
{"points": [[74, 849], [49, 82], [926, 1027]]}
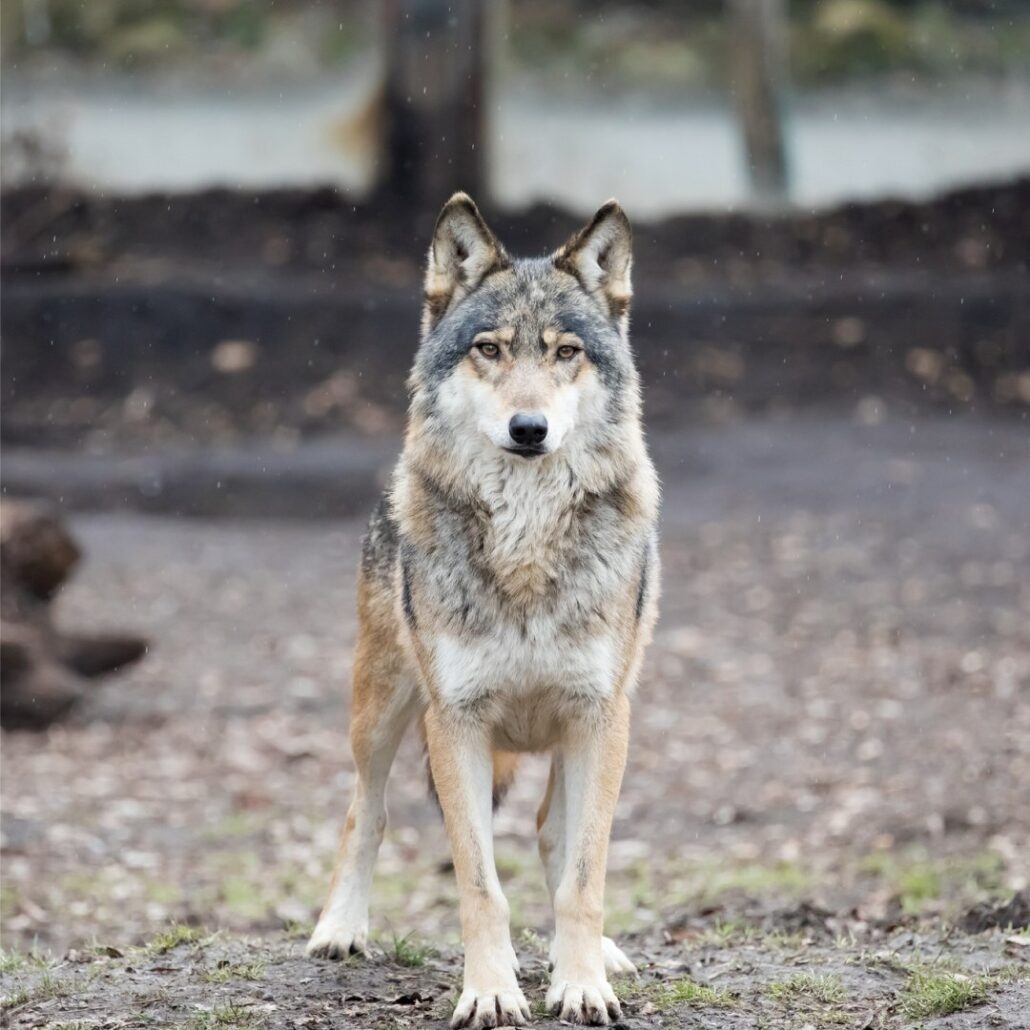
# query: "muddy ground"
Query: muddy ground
{"points": [[716, 976], [826, 795]]}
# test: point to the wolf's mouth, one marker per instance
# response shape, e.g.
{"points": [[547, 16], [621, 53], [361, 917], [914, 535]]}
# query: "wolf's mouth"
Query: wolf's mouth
{"points": [[527, 452]]}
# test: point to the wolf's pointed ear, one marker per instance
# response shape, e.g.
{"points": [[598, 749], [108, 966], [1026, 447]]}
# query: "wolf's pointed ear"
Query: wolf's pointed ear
{"points": [[463, 251], [600, 256]]}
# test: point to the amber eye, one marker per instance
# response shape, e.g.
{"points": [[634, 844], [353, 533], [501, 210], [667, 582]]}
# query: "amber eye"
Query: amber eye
{"points": [[488, 350], [567, 351]]}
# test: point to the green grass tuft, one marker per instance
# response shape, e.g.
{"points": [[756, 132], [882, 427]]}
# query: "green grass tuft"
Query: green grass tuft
{"points": [[229, 1015], [11, 961], [531, 940], [408, 952], [19, 996], [938, 993], [827, 989], [44, 989], [226, 972], [297, 930], [687, 992], [176, 934]]}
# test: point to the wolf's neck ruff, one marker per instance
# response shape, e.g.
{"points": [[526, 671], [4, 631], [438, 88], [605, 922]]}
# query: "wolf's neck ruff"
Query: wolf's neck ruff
{"points": [[534, 515], [524, 522]]}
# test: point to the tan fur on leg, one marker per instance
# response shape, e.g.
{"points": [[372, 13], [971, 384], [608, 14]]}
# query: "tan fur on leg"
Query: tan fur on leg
{"points": [[593, 759], [550, 822], [461, 759], [384, 703]]}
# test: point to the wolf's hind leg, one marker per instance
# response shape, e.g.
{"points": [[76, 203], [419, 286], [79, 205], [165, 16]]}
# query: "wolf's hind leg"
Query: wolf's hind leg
{"points": [[385, 700], [550, 823]]}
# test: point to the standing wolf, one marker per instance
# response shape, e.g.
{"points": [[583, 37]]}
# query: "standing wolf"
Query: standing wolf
{"points": [[508, 587]]}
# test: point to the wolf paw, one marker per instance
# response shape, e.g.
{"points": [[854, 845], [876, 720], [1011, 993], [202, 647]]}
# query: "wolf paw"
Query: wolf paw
{"points": [[615, 961], [480, 1009], [337, 942], [591, 1004]]}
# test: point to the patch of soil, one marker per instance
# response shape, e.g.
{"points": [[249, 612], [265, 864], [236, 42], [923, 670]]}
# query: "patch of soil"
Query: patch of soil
{"points": [[1012, 913], [766, 981]]}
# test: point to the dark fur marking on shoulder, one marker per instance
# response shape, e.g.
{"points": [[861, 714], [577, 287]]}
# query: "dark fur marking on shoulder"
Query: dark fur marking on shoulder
{"points": [[642, 589], [381, 541], [406, 601]]}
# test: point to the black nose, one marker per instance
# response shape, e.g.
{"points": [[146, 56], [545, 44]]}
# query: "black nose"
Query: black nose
{"points": [[528, 430]]}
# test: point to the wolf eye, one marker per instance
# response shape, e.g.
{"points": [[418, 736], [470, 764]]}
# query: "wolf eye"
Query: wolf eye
{"points": [[489, 350], [567, 351]]}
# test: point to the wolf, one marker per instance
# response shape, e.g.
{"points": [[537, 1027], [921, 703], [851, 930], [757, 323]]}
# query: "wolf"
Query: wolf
{"points": [[508, 587]]}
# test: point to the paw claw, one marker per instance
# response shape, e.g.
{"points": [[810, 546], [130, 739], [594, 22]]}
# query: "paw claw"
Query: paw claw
{"points": [[483, 1010], [577, 1003], [337, 944]]}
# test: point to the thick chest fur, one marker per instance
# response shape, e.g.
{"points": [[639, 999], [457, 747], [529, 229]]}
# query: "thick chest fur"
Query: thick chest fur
{"points": [[530, 601], [541, 540], [532, 559]]}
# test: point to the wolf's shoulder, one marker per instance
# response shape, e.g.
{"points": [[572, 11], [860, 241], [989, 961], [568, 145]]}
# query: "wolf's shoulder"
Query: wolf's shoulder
{"points": [[381, 542]]}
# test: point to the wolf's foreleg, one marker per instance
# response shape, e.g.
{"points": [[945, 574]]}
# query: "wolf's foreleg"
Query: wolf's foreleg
{"points": [[460, 757], [593, 757], [382, 710], [551, 839]]}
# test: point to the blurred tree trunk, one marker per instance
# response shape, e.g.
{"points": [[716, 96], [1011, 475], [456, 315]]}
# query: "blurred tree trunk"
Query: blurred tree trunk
{"points": [[758, 59], [434, 100]]}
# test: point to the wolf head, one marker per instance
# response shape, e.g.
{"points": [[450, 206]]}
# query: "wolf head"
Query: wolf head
{"points": [[525, 359]]}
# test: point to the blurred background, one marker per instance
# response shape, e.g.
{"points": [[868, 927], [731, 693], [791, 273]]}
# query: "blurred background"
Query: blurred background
{"points": [[214, 218]]}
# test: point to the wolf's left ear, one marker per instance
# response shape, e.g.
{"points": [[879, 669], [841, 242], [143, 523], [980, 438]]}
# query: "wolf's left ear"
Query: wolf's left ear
{"points": [[600, 256], [463, 251]]}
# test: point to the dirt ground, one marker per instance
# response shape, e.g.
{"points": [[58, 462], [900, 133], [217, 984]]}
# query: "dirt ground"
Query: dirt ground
{"points": [[825, 803], [714, 976]]}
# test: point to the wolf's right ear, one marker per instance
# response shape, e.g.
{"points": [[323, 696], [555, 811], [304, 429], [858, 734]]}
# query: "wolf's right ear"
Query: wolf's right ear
{"points": [[600, 256], [463, 251]]}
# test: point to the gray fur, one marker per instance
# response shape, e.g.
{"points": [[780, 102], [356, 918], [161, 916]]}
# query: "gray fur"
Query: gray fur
{"points": [[379, 548], [508, 591], [532, 294], [598, 549]]}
